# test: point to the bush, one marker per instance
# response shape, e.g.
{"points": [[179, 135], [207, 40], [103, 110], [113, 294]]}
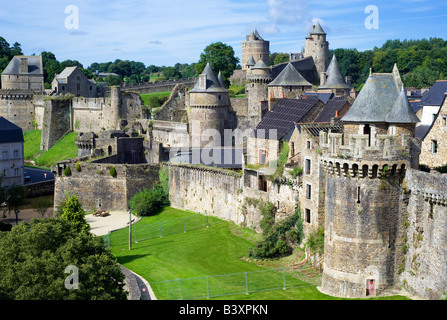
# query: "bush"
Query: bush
{"points": [[278, 240], [67, 171], [149, 202], [113, 172], [297, 171], [78, 167]]}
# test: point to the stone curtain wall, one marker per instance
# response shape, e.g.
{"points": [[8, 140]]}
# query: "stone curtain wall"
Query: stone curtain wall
{"points": [[425, 264], [98, 190], [207, 191], [56, 121]]}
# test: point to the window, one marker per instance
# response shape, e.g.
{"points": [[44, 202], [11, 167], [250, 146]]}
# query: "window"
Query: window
{"points": [[91, 88], [5, 155], [5, 172], [78, 86], [434, 146], [358, 194], [444, 120], [16, 154], [63, 88], [308, 191], [292, 148], [262, 156], [308, 215], [16, 172], [392, 130], [308, 145], [307, 166]]}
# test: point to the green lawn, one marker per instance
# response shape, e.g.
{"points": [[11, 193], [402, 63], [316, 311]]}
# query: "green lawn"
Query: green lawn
{"points": [[220, 249], [160, 95], [32, 143], [62, 150]]}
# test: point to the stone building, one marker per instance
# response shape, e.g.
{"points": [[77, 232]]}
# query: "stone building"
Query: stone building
{"points": [[434, 145], [365, 166], [11, 154], [289, 84], [24, 73], [254, 49], [256, 90], [72, 80], [317, 47], [208, 110]]}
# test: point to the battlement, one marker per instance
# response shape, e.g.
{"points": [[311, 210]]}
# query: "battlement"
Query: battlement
{"points": [[354, 157], [385, 147], [16, 94]]}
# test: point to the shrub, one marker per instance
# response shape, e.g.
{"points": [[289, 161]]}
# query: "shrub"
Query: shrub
{"points": [[67, 171], [315, 241], [149, 202], [297, 171], [73, 213], [278, 240], [78, 167], [113, 172]]}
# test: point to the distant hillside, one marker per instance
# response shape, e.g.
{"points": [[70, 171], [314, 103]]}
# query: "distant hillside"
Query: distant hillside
{"points": [[420, 62]]}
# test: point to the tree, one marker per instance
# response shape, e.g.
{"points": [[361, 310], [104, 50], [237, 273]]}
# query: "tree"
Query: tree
{"points": [[149, 202], [15, 195], [281, 57], [172, 73], [221, 58], [73, 213], [42, 206], [35, 256]]}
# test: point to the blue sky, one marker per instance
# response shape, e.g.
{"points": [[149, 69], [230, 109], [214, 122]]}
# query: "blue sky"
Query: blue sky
{"points": [[170, 31]]}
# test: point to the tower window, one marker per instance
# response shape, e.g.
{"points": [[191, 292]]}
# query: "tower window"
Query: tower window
{"points": [[358, 194], [307, 166], [308, 191], [434, 146], [308, 213]]}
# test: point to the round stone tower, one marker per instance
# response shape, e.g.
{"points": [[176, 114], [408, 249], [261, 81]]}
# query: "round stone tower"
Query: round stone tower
{"points": [[255, 47], [317, 47], [364, 167], [256, 90], [208, 107]]}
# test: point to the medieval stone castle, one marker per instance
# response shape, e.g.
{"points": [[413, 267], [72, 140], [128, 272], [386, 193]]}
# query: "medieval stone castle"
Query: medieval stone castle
{"points": [[384, 220]]}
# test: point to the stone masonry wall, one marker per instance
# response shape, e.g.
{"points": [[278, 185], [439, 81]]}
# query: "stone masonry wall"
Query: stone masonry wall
{"points": [[424, 270], [98, 190]]}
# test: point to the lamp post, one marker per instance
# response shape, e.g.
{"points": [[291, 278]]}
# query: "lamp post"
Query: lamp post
{"points": [[130, 229]]}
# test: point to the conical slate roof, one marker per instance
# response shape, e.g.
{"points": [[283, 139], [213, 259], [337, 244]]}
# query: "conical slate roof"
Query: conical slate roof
{"points": [[211, 84], [289, 76], [256, 35], [335, 79], [401, 112], [318, 29], [377, 101], [251, 62], [221, 80], [260, 65]]}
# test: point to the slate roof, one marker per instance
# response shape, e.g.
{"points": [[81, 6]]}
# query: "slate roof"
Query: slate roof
{"points": [[9, 132], [256, 35], [332, 107], [401, 112], [375, 100], [323, 96], [289, 76], [317, 29], [35, 66], [335, 79], [283, 116], [250, 62], [260, 65], [212, 82], [435, 96]]}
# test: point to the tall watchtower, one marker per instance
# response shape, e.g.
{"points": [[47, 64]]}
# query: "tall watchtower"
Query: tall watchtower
{"points": [[255, 47], [208, 107], [317, 47], [364, 167], [256, 89]]}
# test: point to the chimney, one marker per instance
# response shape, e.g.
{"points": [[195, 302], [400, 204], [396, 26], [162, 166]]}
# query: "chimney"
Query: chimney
{"points": [[322, 78], [23, 65]]}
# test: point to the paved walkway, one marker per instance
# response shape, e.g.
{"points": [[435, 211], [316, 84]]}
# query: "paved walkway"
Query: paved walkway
{"points": [[103, 225], [138, 287]]}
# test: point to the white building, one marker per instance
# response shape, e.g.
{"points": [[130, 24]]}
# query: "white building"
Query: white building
{"points": [[11, 153]]}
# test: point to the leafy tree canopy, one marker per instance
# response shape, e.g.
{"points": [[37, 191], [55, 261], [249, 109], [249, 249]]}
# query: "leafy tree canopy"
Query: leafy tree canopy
{"points": [[221, 58], [34, 257]]}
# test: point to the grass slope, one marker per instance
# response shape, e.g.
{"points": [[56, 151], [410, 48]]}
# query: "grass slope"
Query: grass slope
{"points": [[64, 149], [145, 96], [220, 249]]}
